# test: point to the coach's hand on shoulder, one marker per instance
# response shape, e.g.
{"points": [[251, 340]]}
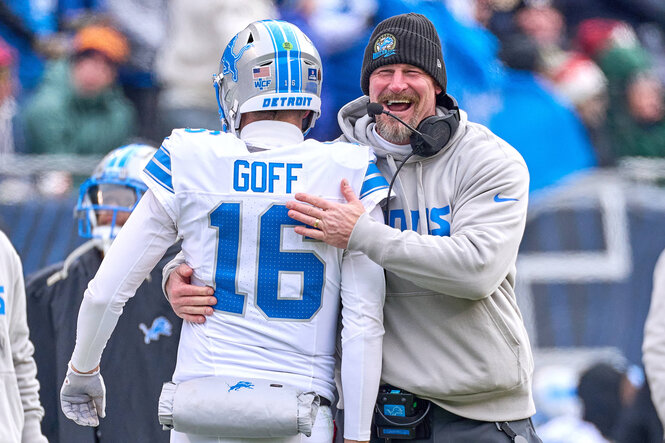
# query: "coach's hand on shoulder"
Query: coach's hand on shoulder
{"points": [[83, 396], [189, 302], [330, 222]]}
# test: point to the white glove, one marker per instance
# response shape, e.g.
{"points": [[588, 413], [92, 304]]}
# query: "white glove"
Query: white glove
{"points": [[83, 397]]}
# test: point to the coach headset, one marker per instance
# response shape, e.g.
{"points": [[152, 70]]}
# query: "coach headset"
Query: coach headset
{"points": [[434, 132]]}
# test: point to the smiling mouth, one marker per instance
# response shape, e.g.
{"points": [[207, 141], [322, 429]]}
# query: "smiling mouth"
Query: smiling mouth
{"points": [[398, 105]]}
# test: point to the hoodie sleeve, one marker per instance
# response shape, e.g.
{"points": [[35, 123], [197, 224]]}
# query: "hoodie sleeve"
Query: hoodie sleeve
{"points": [[20, 344], [488, 213], [653, 347]]}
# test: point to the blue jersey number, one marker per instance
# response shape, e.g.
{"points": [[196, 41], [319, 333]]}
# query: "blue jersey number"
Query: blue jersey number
{"points": [[273, 262]]}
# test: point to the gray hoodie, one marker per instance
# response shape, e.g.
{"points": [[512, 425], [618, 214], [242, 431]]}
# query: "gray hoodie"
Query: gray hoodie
{"points": [[454, 333], [20, 409]]}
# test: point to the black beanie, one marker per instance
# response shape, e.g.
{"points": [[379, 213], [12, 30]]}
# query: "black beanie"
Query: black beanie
{"points": [[407, 38]]}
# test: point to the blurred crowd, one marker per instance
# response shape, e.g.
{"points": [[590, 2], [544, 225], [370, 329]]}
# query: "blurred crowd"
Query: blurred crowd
{"points": [[572, 85], [607, 61], [592, 396]]}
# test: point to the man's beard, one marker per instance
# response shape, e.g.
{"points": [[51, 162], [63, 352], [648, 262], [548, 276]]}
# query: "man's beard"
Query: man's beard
{"points": [[391, 129], [394, 131]]}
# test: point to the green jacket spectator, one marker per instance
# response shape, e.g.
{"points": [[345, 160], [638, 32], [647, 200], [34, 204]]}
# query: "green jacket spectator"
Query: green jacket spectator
{"points": [[636, 115], [79, 107]]}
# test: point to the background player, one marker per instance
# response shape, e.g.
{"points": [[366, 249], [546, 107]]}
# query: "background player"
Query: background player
{"points": [[277, 293], [147, 340]]}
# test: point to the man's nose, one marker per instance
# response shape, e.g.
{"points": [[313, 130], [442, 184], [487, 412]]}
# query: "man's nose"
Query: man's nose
{"points": [[397, 82]]}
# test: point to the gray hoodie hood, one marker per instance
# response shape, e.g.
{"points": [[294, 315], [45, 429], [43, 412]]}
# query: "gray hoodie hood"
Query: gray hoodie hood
{"points": [[358, 127]]}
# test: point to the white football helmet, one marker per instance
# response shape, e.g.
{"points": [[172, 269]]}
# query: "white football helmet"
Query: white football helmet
{"points": [[270, 65], [115, 186]]}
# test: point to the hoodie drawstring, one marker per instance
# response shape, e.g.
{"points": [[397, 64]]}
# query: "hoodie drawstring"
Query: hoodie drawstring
{"points": [[423, 226], [405, 202]]}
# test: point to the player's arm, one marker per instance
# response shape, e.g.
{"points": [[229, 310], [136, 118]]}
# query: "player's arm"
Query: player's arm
{"points": [[141, 243], [363, 293]]}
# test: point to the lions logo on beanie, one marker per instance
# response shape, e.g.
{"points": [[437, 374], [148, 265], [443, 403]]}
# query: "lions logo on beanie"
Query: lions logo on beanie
{"points": [[407, 38], [384, 46]]}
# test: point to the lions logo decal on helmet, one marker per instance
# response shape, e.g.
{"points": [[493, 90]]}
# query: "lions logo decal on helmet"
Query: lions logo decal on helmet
{"points": [[229, 59]]}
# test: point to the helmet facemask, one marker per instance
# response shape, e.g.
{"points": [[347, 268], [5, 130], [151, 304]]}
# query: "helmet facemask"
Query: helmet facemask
{"points": [[112, 192]]}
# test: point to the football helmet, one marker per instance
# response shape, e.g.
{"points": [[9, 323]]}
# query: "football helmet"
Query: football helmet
{"points": [[114, 187], [270, 65]]}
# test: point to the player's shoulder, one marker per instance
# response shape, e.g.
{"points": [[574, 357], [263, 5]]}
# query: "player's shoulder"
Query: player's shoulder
{"points": [[186, 139], [8, 253], [198, 133], [5, 243], [341, 144], [344, 152]]}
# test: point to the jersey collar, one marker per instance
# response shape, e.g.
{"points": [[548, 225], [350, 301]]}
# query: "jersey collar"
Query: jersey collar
{"points": [[271, 134]]}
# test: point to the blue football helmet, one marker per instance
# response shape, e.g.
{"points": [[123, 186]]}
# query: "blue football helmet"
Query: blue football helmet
{"points": [[270, 65], [115, 187]]}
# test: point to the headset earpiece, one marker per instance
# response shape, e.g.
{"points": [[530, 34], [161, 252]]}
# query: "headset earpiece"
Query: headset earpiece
{"points": [[439, 128]]}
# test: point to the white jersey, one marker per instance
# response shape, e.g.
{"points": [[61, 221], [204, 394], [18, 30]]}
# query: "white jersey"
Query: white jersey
{"points": [[277, 293]]}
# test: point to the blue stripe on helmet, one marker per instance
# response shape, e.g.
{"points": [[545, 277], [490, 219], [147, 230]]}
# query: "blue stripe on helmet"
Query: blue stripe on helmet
{"points": [[276, 45], [126, 154], [295, 62], [280, 35], [112, 161]]}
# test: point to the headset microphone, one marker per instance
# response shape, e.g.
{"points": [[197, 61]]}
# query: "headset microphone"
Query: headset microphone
{"points": [[372, 110], [422, 144]]}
